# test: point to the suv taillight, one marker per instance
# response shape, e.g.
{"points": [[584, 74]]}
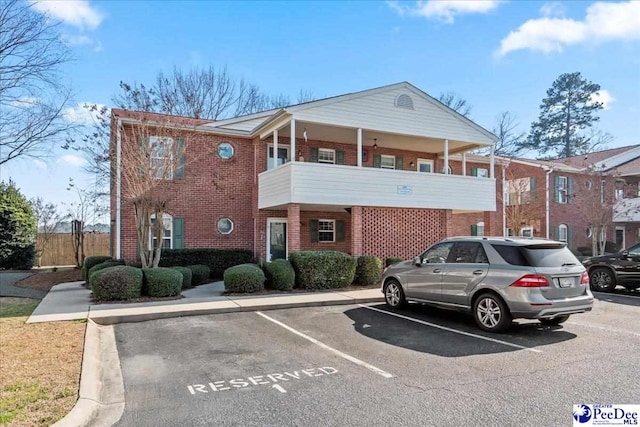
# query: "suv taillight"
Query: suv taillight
{"points": [[531, 281], [584, 280]]}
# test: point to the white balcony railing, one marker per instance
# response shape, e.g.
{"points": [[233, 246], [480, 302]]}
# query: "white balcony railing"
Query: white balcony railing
{"points": [[627, 210], [323, 184]]}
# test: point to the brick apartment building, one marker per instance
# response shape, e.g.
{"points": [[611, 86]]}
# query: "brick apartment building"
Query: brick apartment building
{"points": [[558, 196], [385, 171]]}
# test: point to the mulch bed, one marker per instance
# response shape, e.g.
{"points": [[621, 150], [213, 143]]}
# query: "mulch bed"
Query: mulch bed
{"points": [[44, 280]]}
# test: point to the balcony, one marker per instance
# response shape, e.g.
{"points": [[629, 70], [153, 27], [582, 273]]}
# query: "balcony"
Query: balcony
{"points": [[627, 210], [345, 186]]}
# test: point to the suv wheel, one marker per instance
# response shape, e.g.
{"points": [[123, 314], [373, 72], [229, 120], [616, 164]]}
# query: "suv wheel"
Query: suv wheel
{"points": [[491, 314], [601, 279], [555, 321], [394, 295]]}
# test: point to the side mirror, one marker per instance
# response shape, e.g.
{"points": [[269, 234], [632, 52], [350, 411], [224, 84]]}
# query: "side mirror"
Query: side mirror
{"points": [[417, 261], [625, 254]]}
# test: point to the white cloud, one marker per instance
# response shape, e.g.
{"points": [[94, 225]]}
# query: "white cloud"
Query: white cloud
{"points": [[603, 22], [82, 114], [552, 9], [71, 160], [444, 10], [77, 40], [40, 164], [78, 13], [605, 97]]}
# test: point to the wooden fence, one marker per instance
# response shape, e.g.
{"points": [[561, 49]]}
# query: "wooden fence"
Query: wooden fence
{"points": [[58, 250]]}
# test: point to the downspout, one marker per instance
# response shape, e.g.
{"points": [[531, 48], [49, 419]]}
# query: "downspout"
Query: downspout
{"points": [[548, 171], [118, 188]]}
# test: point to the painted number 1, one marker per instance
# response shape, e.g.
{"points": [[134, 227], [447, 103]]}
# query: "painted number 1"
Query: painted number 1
{"points": [[279, 388]]}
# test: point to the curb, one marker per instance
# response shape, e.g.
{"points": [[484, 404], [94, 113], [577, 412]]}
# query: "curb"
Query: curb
{"points": [[101, 397], [106, 319]]}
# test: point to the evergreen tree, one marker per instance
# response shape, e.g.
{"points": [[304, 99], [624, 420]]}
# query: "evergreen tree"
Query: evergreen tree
{"points": [[568, 110], [17, 229]]}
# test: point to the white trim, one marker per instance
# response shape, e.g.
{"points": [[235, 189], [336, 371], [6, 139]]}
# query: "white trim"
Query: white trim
{"points": [[333, 230], [327, 150], [268, 239], [118, 187], [165, 216], [280, 147], [446, 167], [359, 137], [429, 162], [563, 190], [292, 139], [218, 226], [275, 150], [562, 227], [527, 228], [387, 156]]}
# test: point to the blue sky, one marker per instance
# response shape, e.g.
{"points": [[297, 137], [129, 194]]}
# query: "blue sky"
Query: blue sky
{"points": [[498, 55]]}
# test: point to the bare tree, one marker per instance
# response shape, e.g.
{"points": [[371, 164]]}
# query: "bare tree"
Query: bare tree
{"points": [[305, 96], [87, 207], [509, 138], [49, 220], [32, 95], [456, 103], [520, 197]]}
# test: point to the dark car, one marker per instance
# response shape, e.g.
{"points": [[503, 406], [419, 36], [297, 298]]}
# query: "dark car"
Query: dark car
{"points": [[608, 271]]}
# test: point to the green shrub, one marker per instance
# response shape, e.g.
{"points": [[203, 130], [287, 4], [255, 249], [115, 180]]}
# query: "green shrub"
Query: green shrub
{"points": [[323, 269], [244, 278], [90, 261], [21, 258], [199, 274], [392, 260], [369, 270], [161, 282], [102, 265], [116, 283], [279, 275], [218, 260], [186, 276]]}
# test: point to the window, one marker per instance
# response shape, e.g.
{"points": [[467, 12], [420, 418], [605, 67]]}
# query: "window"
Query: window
{"points": [[603, 189], [520, 191], [162, 160], [526, 232], [326, 230], [480, 172], [588, 233], [588, 184], [619, 190], [387, 162], [562, 189], [404, 101], [326, 155], [479, 229], [283, 155], [167, 232], [468, 252], [437, 254], [562, 233], [225, 226], [425, 165], [511, 254], [225, 151]]}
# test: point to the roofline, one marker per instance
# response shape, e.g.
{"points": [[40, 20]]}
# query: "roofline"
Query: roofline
{"points": [[552, 166], [246, 117], [193, 128]]}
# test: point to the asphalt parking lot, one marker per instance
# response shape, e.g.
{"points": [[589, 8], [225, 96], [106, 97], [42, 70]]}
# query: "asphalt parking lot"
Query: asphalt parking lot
{"points": [[364, 365]]}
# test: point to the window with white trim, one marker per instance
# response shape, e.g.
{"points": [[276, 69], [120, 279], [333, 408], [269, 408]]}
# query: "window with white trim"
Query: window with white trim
{"points": [[326, 155], [326, 230], [162, 159], [425, 165], [619, 190], [526, 232], [562, 189], [167, 232], [480, 228], [283, 155], [387, 162], [562, 232]]}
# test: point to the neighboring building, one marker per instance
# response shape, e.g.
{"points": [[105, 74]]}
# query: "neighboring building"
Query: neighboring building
{"points": [[556, 199], [383, 172]]}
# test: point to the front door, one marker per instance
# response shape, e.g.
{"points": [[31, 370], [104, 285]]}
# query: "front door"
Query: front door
{"points": [[276, 239]]}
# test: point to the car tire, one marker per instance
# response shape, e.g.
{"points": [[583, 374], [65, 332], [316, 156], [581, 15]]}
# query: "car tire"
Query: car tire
{"points": [[394, 295], [602, 280], [491, 313], [555, 321]]}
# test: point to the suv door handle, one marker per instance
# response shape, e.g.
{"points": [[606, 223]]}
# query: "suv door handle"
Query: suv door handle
{"points": [[437, 270], [478, 272]]}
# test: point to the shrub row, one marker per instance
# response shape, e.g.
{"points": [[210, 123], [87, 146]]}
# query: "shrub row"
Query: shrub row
{"points": [[280, 275], [244, 278], [200, 274], [90, 261], [218, 260], [116, 283], [187, 276], [161, 282], [103, 265], [368, 270], [323, 269]]}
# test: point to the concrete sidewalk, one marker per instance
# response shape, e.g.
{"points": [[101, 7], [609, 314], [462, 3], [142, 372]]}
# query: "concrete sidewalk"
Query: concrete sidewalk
{"points": [[71, 301]]}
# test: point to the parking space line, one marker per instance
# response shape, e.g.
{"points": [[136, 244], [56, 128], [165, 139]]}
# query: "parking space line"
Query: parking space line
{"points": [[603, 328], [455, 331], [610, 294], [328, 348]]}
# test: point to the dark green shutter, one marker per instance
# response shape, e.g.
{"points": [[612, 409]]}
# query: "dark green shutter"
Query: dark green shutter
{"points": [[377, 161], [340, 234], [556, 189], [314, 155], [474, 229], [570, 236], [399, 163], [313, 227], [474, 171], [180, 160], [339, 157], [556, 233], [178, 233], [570, 190]]}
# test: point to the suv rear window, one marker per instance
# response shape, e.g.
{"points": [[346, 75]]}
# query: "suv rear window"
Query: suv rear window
{"points": [[512, 254], [550, 256]]}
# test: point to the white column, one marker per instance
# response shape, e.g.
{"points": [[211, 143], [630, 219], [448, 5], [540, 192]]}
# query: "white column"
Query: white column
{"points": [[293, 140], [359, 147], [446, 156], [492, 159], [464, 164], [275, 149]]}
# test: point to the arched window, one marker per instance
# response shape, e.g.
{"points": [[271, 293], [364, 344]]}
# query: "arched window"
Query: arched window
{"points": [[562, 232], [167, 231]]}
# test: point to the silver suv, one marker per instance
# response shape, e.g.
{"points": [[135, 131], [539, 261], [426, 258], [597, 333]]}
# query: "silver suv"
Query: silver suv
{"points": [[496, 279]]}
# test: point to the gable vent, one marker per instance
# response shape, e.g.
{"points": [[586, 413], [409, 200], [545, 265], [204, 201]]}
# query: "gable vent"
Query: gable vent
{"points": [[404, 101]]}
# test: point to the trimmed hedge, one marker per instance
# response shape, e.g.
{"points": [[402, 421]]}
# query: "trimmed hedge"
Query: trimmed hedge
{"points": [[20, 258], [102, 265], [218, 260], [279, 275], [186, 276], [323, 269], [161, 282], [392, 260], [369, 270], [244, 278], [90, 261], [116, 283], [199, 274]]}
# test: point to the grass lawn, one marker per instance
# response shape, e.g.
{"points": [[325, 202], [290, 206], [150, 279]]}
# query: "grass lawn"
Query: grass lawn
{"points": [[39, 365]]}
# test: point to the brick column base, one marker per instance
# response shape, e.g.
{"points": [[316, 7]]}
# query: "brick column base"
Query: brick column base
{"points": [[491, 227], [293, 227], [356, 231]]}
